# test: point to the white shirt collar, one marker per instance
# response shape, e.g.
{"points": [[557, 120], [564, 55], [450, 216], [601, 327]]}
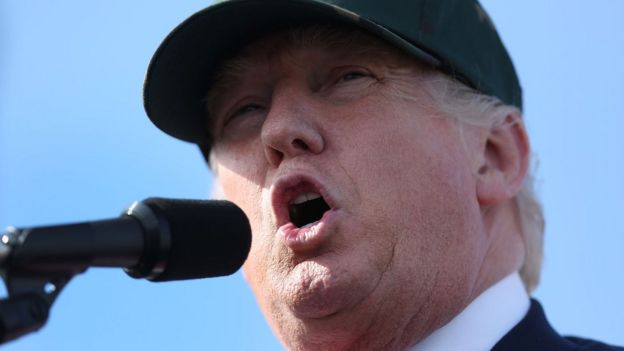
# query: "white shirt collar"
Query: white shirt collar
{"points": [[484, 321]]}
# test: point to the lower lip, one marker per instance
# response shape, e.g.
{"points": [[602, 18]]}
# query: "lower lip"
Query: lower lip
{"points": [[308, 237]]}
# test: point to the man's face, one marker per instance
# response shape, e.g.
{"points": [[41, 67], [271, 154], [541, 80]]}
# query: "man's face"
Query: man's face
{"points": [[395, 243]]}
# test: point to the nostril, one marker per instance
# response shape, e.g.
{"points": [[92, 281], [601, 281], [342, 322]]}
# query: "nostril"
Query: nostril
{"points": [[274, 156], [300, 144]]}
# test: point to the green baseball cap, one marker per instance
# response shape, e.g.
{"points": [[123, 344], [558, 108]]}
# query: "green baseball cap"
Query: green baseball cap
{"points": [[455, 36]]}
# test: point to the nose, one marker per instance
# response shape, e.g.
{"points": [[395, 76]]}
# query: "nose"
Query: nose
{"points": [[291, 127]]}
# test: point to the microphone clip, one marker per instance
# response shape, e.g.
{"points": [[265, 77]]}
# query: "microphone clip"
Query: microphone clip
{"points": [[30, 294]]}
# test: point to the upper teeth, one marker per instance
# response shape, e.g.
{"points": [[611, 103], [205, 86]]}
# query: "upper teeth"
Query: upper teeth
{"points": [[305, 197]]}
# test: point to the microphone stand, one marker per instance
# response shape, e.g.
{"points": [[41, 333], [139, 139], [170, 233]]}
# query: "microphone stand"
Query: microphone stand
{"points": [[30, 294]]}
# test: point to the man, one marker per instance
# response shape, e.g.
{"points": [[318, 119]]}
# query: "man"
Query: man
{"points": [[379, 152]]}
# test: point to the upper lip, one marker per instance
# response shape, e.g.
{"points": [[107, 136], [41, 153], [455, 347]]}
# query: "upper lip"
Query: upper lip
{"points": [[286, 188]]}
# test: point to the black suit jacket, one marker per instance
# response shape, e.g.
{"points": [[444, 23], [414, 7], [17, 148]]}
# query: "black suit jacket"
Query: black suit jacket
{"points": [[534, 333]]}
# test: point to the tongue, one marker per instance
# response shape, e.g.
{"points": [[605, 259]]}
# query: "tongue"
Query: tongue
{"points": [[307, 212]]}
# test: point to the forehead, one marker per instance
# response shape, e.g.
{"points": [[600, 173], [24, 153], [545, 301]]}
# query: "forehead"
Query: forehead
{"points": [[334, 41]]}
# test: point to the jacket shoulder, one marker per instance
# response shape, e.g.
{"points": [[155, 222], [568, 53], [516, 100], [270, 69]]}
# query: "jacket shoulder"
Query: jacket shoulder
{"points": [[592, 345], [535, 333]]}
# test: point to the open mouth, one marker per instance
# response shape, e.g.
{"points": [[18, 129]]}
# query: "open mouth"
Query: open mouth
{"points": [[300, 201], [307, 208], [304, 211]]}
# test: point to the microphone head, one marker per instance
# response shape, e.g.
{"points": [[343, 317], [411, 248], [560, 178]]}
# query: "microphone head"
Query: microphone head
{"points": [[209, 238]]}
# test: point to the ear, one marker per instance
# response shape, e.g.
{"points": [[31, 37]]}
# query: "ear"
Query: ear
{"points": [[504, 162]]}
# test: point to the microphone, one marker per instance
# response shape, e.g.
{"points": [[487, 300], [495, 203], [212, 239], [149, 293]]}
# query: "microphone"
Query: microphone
{"points": [[158, 239]]}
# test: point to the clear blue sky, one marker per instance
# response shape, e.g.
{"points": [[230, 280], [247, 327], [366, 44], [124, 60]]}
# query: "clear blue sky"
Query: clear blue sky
{"points": [[75, 145]]}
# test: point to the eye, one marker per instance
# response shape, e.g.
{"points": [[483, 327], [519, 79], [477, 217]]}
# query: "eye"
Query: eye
{"points": [[243, 110], [353, 75], [246, 109], [346, 83]]}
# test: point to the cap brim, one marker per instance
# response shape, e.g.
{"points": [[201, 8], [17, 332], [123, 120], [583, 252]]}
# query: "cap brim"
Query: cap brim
{"points": [[180, 71]]}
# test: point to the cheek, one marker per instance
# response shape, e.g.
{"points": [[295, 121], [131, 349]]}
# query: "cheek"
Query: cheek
{"points": [[416, 179], [241, 177], [239, 162], [247, 194], [239, 190]]}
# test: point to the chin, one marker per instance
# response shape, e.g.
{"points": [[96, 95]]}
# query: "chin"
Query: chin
{"points": [[319, 288]]}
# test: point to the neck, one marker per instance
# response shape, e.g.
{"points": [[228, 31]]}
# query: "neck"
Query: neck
{"points": [[484, 321], [505, 245]]}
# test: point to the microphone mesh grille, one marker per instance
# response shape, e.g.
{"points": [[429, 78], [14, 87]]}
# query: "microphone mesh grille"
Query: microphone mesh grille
{"points": [[209, 238]]}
